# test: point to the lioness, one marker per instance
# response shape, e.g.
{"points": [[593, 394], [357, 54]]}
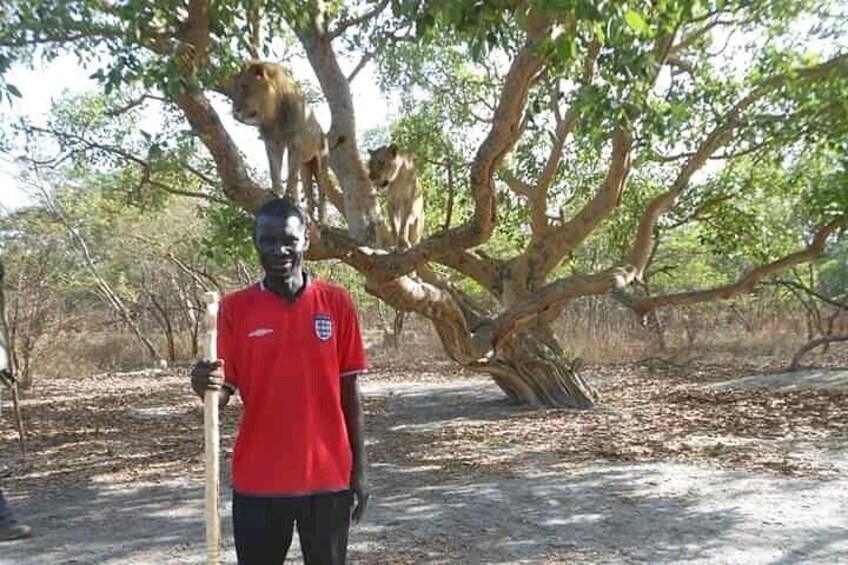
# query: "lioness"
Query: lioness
{"points": [[267, 97], [394, 171]]}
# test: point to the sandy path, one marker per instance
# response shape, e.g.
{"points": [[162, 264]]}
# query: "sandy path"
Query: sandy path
{"points": [[547, 512]]}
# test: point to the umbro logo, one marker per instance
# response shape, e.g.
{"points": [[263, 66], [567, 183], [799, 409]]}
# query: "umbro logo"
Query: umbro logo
{"points": [[259, 332]]}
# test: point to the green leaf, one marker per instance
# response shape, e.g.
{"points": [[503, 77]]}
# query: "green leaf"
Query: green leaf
{"points": [[13, 90], [636, 22]]}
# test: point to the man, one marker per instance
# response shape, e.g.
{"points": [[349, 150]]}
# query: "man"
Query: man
{"points": [[291, 346], [10, 529]]}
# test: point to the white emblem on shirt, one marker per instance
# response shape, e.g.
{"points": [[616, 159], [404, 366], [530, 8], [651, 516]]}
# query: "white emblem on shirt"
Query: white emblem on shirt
{"points": [[323, 326], [259, 332]]}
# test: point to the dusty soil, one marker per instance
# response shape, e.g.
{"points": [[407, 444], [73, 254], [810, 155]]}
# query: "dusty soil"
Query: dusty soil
{"points": [[675, 466]]}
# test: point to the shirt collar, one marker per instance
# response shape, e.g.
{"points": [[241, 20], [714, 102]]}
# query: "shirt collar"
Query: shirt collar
{"points": [[307, 280]]}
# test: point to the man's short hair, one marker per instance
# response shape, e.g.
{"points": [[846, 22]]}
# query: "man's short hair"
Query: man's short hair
{"points": [[282, 208]]}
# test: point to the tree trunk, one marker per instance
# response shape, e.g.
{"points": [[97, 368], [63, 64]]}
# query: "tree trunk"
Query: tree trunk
{"points": [[25, 376], [530, 365], [533, 370], [657, 327], [164, 319], [391, 332], [828, 339]]}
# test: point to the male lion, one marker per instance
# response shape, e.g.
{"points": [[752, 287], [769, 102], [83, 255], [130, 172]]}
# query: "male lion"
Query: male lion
{"points": [[394, 171], [267, 97]]}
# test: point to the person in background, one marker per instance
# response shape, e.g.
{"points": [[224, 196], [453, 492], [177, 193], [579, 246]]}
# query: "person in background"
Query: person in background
{"points": [[10, 529]]}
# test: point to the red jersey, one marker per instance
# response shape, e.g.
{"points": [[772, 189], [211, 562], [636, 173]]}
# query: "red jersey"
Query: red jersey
{"points": [[287, 361]]}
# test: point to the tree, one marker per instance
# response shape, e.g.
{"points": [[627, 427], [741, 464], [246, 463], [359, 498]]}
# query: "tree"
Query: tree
{"points": [[566, 124], [89, 256], [31, 253]]}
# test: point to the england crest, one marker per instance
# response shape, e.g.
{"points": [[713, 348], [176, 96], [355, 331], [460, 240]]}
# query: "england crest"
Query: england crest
{"points": [[323, 327]]}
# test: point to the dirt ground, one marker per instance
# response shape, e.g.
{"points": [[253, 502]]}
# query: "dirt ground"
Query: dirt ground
{"points": [[676, 466]]}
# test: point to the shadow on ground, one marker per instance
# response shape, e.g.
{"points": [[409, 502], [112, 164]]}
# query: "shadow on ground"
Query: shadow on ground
{"points": [[424, 511]]}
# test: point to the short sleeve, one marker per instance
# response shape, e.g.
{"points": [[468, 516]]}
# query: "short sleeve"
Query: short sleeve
{"points": [[351, 350], [226, 342]]}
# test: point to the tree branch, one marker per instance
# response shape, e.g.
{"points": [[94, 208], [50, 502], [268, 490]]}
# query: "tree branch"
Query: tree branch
{"points": [[240, 189], [811, 292], [69, 38], [698, 213], [439, 306], [360, 204], [746, 283], [145, 167], [539, 195], [679, 62], [73, 31], [344, 25], [796, 359], [196, 275], [515, 184], [562, 240], [718, 137], [502, 136], [368, 57], [550, 246], [188, 193], [196, 35], [483, 270], [556, 295], [131, 105], [381, 266], [693, 37]]}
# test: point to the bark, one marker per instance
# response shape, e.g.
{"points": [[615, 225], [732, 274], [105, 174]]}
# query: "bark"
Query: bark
{"points": [[555, 296], [825, 340], [549, 250], [532, 370], [196, 37], [746, 283], [360, 203], [240, 189], [530, 366]]}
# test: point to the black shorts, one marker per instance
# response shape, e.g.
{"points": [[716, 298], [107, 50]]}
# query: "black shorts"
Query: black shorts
{"points": [[263, 528]]}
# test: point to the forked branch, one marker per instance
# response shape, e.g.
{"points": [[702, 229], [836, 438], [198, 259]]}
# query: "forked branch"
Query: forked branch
{"points": [[639, 252], [746, 283]]}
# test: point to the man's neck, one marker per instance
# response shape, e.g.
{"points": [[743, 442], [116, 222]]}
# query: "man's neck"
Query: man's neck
{"points": [[287, 288]]}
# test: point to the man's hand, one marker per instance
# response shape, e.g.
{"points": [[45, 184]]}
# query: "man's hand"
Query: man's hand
{"points": [[7, 378], [209, 375], [361, 494]]}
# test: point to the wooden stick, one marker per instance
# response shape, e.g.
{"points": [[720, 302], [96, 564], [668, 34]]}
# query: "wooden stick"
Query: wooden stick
{"points": [[212, 441], [16, 406], [12, 385]]}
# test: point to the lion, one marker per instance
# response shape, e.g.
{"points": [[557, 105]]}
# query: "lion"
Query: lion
{"points": [[393, 171], [267, 97]]}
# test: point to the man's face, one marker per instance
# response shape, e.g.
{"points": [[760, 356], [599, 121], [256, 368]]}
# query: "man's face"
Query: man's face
{"points": [[281, 243]]}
